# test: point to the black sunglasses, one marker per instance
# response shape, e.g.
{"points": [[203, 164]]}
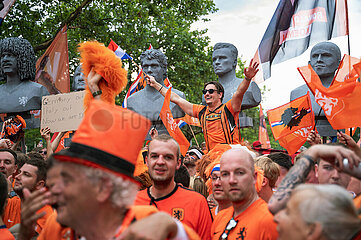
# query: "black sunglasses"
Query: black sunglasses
{"points": [[231, 224], [204, 91]]}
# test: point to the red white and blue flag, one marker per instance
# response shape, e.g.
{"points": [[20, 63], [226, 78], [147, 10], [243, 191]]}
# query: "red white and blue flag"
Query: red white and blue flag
{"points": [[136, 86], [167, 83], [180, 122], [296, 25], [118, 51]]}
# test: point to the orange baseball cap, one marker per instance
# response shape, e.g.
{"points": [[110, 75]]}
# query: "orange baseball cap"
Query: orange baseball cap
{"points": [[109, 138]]}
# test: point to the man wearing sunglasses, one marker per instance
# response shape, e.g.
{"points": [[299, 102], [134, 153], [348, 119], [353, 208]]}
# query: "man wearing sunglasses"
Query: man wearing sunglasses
{"points": [[219, 122]]}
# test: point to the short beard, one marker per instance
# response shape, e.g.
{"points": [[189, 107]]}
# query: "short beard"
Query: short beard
{"points": [[19, 192], [236, 198], [161, 183]]}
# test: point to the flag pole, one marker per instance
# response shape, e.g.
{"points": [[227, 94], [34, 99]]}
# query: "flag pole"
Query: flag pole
{"points": [[347, 29], [318, 115], [348, 42], [193, 134]]}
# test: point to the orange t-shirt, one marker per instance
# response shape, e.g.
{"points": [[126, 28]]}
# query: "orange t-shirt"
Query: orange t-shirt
{"points": [[213, 212], [41, 221], [139, 212], [357, 201], [12, 214], [256, 222], [220, 125], [186, 205], [54, 231], [5, 233]]}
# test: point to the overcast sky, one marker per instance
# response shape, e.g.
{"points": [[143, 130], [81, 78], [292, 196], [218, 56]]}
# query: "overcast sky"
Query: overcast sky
{"points": [[243, 24]]}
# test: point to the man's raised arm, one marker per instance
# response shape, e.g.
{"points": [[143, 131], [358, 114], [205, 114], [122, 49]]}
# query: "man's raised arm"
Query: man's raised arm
{"points": [[237, 97], [298, 173], [186, 106]]}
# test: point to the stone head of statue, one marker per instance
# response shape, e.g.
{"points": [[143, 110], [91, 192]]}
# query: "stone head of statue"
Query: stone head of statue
{"points": [[224, 58], [325, 58], [1, 4], [78, 80], [154, 63], [17, 55]]}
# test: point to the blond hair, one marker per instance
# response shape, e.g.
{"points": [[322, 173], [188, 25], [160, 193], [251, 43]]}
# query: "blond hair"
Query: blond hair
{"points": [[270, 169]]}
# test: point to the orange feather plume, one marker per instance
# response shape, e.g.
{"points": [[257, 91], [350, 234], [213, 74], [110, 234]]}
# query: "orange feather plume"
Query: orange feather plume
{"points": [[104, 62]]}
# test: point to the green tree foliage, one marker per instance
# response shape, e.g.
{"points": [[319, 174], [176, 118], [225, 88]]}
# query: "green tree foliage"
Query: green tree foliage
{"points": [[133, 25]]}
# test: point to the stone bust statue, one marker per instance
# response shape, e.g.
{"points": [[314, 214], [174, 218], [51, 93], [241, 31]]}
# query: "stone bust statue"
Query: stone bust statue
{"points": [[148, 101], [224, 60], [1, 5], [325, 58], [19, 94], [78, 80]]}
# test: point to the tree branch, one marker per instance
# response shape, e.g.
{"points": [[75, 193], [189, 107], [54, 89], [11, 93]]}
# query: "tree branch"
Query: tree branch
{"points": [[67, 21]]}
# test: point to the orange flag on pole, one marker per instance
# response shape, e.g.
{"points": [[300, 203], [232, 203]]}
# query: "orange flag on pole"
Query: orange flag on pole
{"points": [[341, 101], [291, 123], [345, 71], [291, 116], [292, 142], [172, 126], [262, 133], [52, 69], [191, 120]]}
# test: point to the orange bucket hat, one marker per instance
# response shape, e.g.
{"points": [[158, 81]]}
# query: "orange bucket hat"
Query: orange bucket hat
{"points": [[109, 138]]}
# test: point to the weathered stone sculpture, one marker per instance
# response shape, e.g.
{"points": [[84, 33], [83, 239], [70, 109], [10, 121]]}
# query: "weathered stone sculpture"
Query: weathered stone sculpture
{"points": [[19, 94], [148, 101], [324, 59], [224, 59], [78, 80]]}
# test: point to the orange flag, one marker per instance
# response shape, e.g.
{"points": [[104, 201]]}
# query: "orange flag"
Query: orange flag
{"points": [[291, 117], [172, 126], [262, 133], [345, 71], [341, 101], [52, 69], [292, 142], [191, 120]]}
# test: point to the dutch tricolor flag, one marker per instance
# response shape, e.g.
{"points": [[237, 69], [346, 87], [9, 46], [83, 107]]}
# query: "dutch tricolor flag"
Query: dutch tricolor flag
{"points": [[118, 51]]}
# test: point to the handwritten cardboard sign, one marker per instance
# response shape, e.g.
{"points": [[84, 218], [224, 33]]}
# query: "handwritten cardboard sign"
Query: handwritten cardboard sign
{"points": [[62, 112]]}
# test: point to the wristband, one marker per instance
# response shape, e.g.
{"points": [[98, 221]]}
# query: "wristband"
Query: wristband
{"points": [[97, 93], [309, 158], [160, 89], [248, 79]]}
